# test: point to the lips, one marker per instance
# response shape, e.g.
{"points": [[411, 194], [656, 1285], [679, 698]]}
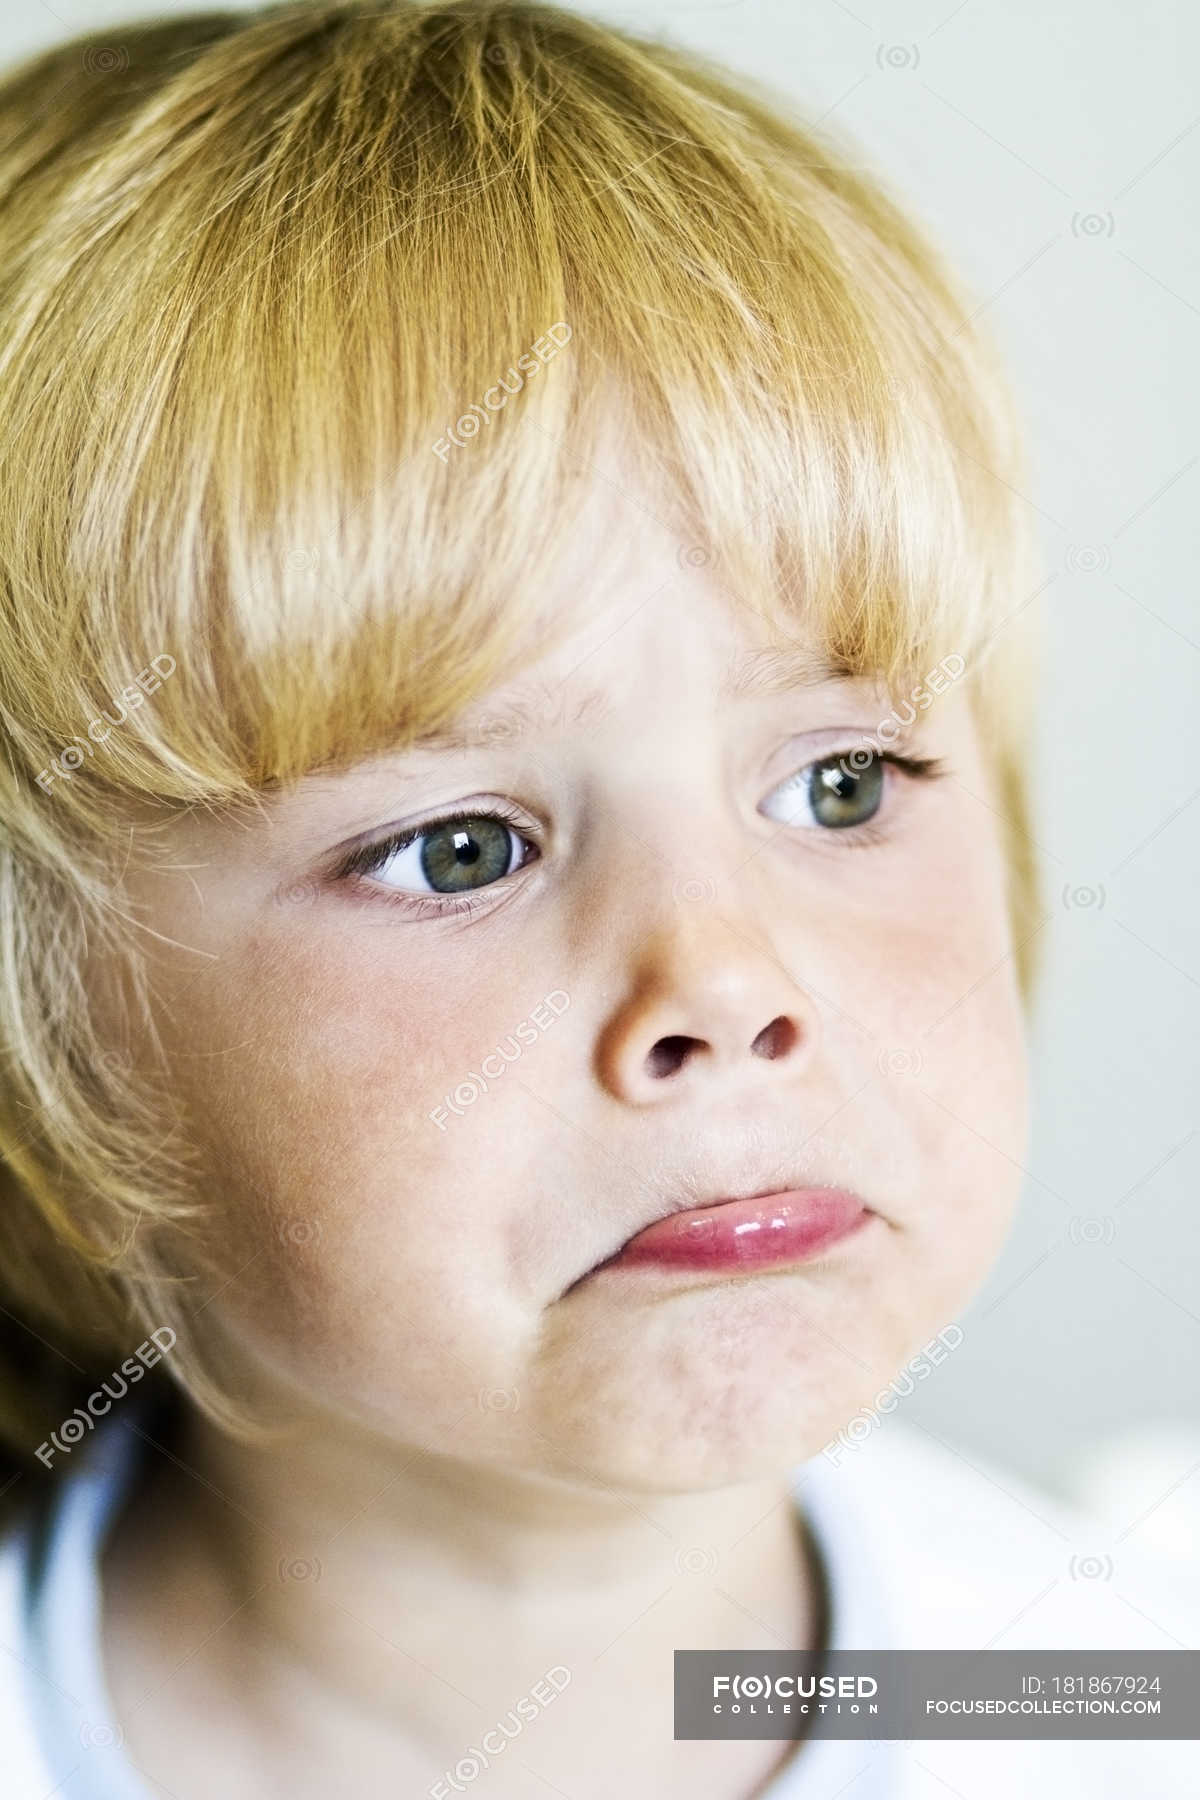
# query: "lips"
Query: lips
{"points": [[733, 1235]]}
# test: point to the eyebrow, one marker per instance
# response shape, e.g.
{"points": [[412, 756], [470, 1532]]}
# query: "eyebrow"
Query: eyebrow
{"points": [[754, 672]]}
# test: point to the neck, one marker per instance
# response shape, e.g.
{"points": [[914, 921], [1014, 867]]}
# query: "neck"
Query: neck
{"points": [[420, 1596]]}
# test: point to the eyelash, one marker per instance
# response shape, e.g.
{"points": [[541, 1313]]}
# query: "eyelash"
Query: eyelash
{"points": [[367, 859], [920, 768]]}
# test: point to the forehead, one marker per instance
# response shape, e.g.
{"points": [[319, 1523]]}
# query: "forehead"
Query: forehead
{"points": [[632, 599], [583, 697]]}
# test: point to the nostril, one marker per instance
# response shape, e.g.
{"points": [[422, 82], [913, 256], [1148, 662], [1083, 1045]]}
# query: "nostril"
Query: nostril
{"points": [[775, 1039], [668, 1055]]}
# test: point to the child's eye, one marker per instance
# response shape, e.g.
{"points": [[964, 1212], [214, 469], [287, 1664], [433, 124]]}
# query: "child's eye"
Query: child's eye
{"points": [[840, 791], [455, 855], [466, 851]]}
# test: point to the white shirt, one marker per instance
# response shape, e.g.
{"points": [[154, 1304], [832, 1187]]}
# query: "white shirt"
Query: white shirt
{"points": [[922, 1548]]}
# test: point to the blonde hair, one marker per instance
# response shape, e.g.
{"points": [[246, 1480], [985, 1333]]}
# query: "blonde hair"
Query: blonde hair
{"points": [[257, 272]]}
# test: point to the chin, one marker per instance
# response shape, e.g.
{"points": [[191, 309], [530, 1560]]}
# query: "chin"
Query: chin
{"points": [[766, 1441], [711, 1401]]}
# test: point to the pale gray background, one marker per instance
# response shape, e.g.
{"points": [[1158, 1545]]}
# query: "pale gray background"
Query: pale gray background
{"points": [[1054, 152]]}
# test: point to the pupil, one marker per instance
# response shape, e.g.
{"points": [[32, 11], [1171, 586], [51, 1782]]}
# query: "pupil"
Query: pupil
{"points": [[841, 796], [456, 857]]}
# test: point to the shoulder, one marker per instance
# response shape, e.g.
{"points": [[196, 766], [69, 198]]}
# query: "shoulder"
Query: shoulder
{"points": [[963, 1553], [26, 1776], [53, 1703], [974, 1553]]}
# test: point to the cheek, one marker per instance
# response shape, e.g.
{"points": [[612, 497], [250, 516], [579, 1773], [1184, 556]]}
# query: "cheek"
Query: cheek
{"points": [[376, 1251], [972, 1017], [331, 1037], [957, 1055], [934, 1036], [938, 988]]}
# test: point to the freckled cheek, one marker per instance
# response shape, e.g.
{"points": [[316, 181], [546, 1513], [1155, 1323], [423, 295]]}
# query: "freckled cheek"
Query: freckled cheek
{"points": [[942, 923], [370, 1310], [319, 1074], [366, 1235], [378, 1017], [934, 984]]}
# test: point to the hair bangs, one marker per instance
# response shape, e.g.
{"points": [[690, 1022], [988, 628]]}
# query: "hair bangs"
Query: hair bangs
{"points": [[352, 296]]}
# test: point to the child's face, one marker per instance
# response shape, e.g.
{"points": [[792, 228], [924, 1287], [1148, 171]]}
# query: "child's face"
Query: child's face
{"points": [[419, 1269]]}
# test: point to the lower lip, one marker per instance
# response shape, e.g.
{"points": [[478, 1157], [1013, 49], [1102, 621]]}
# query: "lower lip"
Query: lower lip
{"points": [[740, 1235]]}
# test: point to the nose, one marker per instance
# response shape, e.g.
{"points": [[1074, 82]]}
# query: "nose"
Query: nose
{"points": [[706, 1007]]}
